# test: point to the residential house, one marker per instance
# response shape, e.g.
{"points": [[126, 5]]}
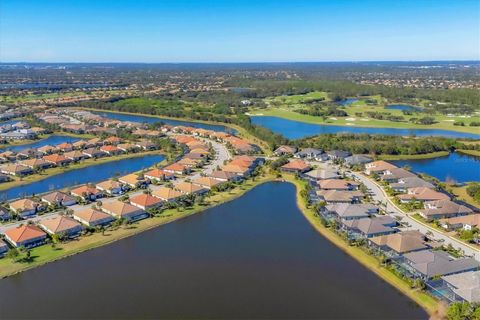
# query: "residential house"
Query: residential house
{"points": [[338, 154], [394, 175], [81, 144], [47, 149], [396, 244], [422, 194], [404, 184], [146, 145], [16, 169], [368, 227], [127, 147], [224, 176], [176, 168], [338, 184], [296, 166], [335, 196], [36, 163], [322, 174], [445, 208], [123, 210], [285, 150], [92, 217], [206, 182], [158, 175], [240, 171], [167, 194], [4, 214], [464, 286], [308, 153], [357, 159], [57, 159], [62, 226], [378, 167], [58, 198], [25, 208], [145, 201], [111, 150], [348, 211], [190, 188], [4, 178], [27, 236], [466, 222], [94, 153], [65, 147], [86, 192], [111, 187], [133, 180], [189, 163], [3, 248]]}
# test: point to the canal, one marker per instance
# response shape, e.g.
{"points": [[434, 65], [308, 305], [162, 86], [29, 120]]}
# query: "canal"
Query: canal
{"points": [[94, 173], [51, 140], [248, 258], [292, 129]]}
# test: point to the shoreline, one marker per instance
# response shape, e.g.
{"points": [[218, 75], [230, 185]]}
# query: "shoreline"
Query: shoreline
{"points": [[431, 155], [423, 300]]}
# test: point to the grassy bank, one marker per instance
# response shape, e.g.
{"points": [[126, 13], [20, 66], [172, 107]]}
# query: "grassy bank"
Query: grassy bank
{"points": [[461, 193], [424, 300], [475, 153], [414, 156], [47, 253], [47, 173]]}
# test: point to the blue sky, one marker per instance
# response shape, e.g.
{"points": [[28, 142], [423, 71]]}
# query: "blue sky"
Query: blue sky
{"points": [[238, 31]]}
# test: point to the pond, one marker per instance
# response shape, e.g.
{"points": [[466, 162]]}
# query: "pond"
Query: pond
{"points": [[144, 119], [295, 129], [403, 107], [249, 258], [51, 140], [346, 102], [94, 173], [454, 167]]}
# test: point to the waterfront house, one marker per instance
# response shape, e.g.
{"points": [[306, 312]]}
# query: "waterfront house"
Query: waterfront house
{"points": [[428, 264], [47, 149], [28, 153], [394, 245], [285, 150], [357, 160], [4, 178], [176, 168], [368, 227], [463, 286], [467, 222], [36, 163], [81, 144], [112, 141], [441, 209], [27, 236], [348, 211], [111, 187], [16, 169], [308, 153], [65, 147], [4, 214], [167, 194], [335, 196], [57, 159], [3, 248], [338, 184], [206, 182], [123, 210], [237, 170], [25, 208], [190, 188], [321, 174], [422, 194], [86, 192], [111, 150], [75, 155], [8, 155], [295, 166], [146, 145], [224, 176], [62, 226], [94, 153], [378, 167], [145, 201], [133, 180], [127, 147], [92, 217], [394, 175], [94, 142], [58, 198], [158, 175], [404, 184]]}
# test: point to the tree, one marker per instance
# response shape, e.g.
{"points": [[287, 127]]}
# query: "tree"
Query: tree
{"points": [[12, 254], [459, 311]]}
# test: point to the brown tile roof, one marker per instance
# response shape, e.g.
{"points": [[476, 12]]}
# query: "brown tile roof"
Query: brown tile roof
{"points": [[187, 187], [119, 208], [59, 224], [299, 165], [24, 204], [206, 182], [423, 194], [470, 219], [56, 158], [91, 215], [402, 242], [167, 194], [336, 184]]}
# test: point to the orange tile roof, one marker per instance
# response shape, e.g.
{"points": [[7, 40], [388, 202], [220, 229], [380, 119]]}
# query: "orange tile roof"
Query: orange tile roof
{"points": [[145, 200], [24, 233], [165, 193], [59, 224], [296, 165]]}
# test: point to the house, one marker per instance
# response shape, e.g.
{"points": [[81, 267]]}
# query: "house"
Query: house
{"points": [[422, 194], [81, 144], [368, 227], [394, 175], [145, 201], [441, 209], [112, 187], [158, 175], [58, 198], [190, 188], [65, 147], [167, 194], [127, 147], [36, 163], [428, 264], [25, 208], [335, 196], [348, 211], [236, 169], [176, 168], [28, 153], [47, 149], [189, 163], [57, 159], [62, 226], [146, 145], [224, 176], [86, 192], [27, 236], [357, 160], [4, 178], [3, 248], [8, 155], [308, 153], [133, 180], [92, 217], [320, 174], [338, 154], [206, 182], [465, 286], [4, 214], [404, 184], [295, 166], [466, 222], [400, 243], [338, 184], [112, 140], [111, 150], [75, 155], [123, 210], [94, 142], [94, 153], [378, 167], [285, 150], [16, 169]]}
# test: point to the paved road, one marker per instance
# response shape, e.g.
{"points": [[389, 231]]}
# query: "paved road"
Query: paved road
{"points": [[222, 154], [379, 195]]}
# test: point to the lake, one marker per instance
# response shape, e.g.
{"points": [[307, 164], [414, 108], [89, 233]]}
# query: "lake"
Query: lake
{"points": [[144, 119], [51, 140], [403, 107], [455, 166], [295, 129], [346, 102], [249, 258], [93, 173]]}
